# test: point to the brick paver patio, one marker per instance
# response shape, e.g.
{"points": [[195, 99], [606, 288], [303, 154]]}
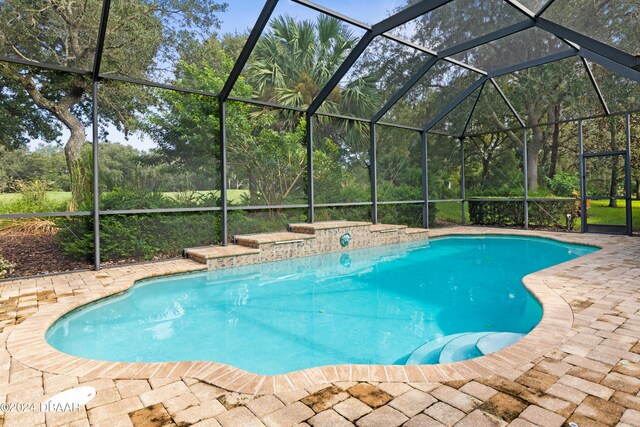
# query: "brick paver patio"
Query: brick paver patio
{"points": [[591, 377]]}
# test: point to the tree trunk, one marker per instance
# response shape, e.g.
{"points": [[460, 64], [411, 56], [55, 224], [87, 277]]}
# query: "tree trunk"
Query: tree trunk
{"points": [[637, 189], [532, 169], [533, 155], [252, 185], [613, 187], [486, 162], [61, 110], [538, 138], [555, 145], [77, 171]]}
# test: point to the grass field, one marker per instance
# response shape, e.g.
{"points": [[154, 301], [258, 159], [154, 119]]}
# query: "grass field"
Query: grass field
{"points": [[52, 196], [62, 198], [600, 213], [449, 212]]}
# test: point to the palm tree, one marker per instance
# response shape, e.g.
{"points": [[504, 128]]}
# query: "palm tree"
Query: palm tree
{"points": [[291, 64], [294, 60]]}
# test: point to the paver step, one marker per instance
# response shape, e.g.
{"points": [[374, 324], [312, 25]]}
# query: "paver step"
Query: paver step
{"points": [[248, 244], [255, 240], [387, 228], [412, 230], [202, 254], [307, 228]]}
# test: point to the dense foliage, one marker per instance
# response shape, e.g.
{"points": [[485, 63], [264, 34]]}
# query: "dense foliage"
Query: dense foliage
{"points": [[548, 214], [139, 236], [501, 213]]}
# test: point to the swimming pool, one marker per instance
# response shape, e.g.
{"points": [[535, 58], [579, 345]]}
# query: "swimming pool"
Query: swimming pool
{"points": [[382, 305]]}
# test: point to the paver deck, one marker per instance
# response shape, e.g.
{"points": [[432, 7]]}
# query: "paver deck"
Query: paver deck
{"points": [[590, 375]]}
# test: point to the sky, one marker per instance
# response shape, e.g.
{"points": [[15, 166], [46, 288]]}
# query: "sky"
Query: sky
{"points": [[242, 15]]}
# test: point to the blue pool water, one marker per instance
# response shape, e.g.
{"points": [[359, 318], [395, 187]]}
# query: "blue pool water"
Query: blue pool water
{"points": [[364, 306]]}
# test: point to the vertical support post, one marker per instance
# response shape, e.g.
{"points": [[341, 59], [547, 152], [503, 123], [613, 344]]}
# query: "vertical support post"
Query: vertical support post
{"points": [[374, 172], [224, 221], [463, 190], [583, 183], [525, 168], [627, 178], [97, 60], [310, 196], [96, 187], [425, 181]]}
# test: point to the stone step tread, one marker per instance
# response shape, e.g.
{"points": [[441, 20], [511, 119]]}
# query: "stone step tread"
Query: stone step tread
{"points": [[413, 230], [279, 237], [387, 227], [211, 252], [326, 225]]}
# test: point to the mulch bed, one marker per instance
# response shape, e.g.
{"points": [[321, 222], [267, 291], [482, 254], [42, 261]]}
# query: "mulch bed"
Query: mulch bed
{"points": [[34, 254]]}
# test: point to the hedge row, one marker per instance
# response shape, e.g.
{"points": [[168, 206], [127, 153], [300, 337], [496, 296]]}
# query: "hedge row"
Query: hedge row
{"points": [[551, 214], [501, 213], [143, 237], [139, 237]]}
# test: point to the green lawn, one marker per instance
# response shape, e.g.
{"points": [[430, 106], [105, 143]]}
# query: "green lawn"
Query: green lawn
{"points": [[52, 196], [600, 213], [449, 212], [58, 198]]}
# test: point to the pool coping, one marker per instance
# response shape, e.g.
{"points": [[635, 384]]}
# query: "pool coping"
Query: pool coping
{"points": [[27, 341]]}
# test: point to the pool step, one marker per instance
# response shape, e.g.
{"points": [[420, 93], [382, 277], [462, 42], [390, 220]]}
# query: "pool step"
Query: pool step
{"points": [[412, 230], [304, 227], [203, 254], [304, 239], [387, 228], [462, 346], [255, 240], [429, 352], [496, 341]]}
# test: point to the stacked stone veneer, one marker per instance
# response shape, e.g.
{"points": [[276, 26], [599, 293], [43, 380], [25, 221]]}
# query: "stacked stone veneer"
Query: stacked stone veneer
{"points": [[304, 240]]}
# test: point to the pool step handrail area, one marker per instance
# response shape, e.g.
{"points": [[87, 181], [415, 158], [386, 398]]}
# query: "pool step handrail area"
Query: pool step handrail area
{"points": [[304, 239]]}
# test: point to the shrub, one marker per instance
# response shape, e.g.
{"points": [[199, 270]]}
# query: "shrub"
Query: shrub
{"points": [[564, 184], [247, 222], [543, 214], [6, 268], [138, 236], [553, 214], [406, 214], [501, 213], [33, 196], [349, 213]]}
